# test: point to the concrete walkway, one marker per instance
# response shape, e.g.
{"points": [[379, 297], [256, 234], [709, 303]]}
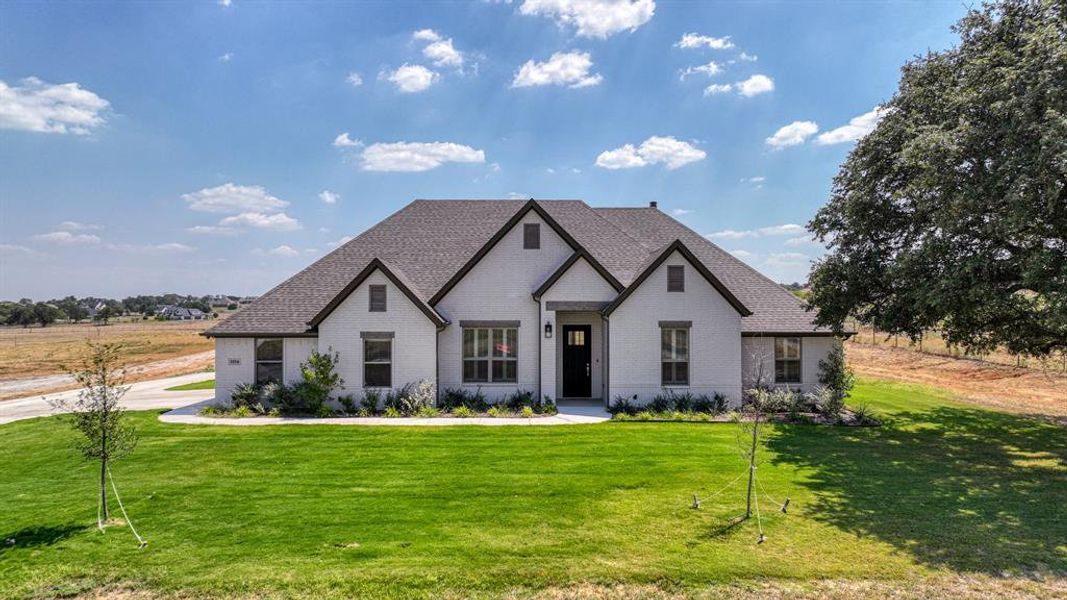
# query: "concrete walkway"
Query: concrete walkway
{"points": [[142, 396], [570, 413]]}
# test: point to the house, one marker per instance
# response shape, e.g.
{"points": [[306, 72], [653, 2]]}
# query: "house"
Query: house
{"points": [[551, 296], [177, 313]]}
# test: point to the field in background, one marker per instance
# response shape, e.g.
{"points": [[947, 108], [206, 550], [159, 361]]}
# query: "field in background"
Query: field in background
{"points": [[33, 359]]}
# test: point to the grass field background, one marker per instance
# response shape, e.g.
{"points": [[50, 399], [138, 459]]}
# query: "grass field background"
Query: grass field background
{"points": [[207, 384], [400, 512]]}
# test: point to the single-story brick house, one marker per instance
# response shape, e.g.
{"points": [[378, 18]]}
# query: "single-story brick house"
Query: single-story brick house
{"points": [[551, 296]]}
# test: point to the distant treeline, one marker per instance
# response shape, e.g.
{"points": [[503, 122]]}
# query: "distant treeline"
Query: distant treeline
{"points": [[27, 312]]}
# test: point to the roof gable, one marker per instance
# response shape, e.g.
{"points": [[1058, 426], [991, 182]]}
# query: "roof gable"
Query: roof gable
{"points": [[394, 276], [570, 262], [658, 259]]}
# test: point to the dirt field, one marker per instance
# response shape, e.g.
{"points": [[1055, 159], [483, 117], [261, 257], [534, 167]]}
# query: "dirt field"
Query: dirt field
{"points": [[1010, 389], [32, 360]]}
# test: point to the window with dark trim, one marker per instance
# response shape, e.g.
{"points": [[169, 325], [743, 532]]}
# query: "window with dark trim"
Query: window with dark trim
{"points": [[531, 236], [377, 298], [787, 360], [675, 278], [377, 362], [674, 356], [269, 360], [490, 355]]}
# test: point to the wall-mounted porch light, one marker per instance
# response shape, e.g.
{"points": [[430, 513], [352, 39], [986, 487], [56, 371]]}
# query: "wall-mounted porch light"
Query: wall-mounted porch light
{"points": [[548, 329]]}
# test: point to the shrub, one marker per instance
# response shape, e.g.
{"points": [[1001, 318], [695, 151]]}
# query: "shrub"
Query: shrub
{"points": [[462, 412], [527, 411], [622, 406], [547, 406], [836, 375], [281, 396], [369, 402], [414, 397], [518, 400], [703, 404], [348, 405], [681, 402], [498, 410], [428, 412], [392, 412], [719, 403], [320, 381], [244, 394], [241, 411], [826, 401], [661, 402], [864, 415], [453, 397]]}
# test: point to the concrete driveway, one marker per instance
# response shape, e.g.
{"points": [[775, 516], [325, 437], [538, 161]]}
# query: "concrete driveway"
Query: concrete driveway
{"points": [[142, 396]]}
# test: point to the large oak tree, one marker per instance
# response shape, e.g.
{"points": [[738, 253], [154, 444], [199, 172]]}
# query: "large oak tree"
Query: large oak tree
{"points": [[952, 213]]}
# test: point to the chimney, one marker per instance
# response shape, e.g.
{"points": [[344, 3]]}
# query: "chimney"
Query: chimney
{"points": [[652, 204]]}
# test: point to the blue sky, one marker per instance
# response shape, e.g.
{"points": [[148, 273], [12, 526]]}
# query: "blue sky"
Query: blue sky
{"points": [[215, 147]]}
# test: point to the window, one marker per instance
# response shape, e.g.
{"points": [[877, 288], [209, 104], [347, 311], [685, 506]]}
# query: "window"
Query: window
{"points": [[575, 337], [269, 361], [531, 236], [787, 360], [674, 356], [377, 363], [675, 278], [490, 355], [377, 298]]}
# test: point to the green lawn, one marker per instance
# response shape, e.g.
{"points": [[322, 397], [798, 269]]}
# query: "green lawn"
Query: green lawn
{"points": [[196, 385], [400, 512]]}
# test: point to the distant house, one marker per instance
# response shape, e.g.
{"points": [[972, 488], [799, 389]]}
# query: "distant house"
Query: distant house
{"points": [[219, 301], [554, 297], [177, 313]]}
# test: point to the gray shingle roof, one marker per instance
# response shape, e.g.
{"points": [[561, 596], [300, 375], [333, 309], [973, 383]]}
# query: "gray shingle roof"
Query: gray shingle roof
{"points": [[428, 241]]}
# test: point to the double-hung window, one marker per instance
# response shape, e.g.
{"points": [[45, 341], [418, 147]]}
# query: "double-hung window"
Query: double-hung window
{"points": [[377, 361], [787, 360], [674, 356], [490, 355], [269, 360]]}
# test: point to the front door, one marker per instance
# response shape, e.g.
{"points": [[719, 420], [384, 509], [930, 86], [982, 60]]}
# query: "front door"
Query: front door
{"points": [[577, 361]]}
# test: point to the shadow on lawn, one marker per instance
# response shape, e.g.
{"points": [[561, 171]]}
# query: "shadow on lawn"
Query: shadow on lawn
{"points": [[33, 537], [971, 490]]}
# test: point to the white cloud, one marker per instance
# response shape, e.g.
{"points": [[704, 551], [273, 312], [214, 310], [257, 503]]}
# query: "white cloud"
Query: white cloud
{"points": [[225, 58], [34, 105], [76, 226], [562, 68], [730, 234], [343, 141], [16, 250], [757, 180], [593, 18], [340, 242], [856, 128], [712, 68], [355, 79], [231, 198], [718, 88], [757, 84], [417, 156], [170, 248], [212, 230], [656, 149], [787, 259], [744, 255], [440, 49], [693, 40], [225, 3], [274, 222], [774, 230], [67, 238], [792, 134], [804, 240], [411, 79], [283, 250], [748, 57], [680, 212], [329, 197], [427, 35]]}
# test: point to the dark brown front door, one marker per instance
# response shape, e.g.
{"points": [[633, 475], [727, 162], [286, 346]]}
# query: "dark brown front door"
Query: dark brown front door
{"points": [[577, 361]]}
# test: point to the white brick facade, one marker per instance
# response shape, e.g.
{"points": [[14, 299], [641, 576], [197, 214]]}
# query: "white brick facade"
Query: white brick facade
{"points": [[812, 350], [714, 338]]}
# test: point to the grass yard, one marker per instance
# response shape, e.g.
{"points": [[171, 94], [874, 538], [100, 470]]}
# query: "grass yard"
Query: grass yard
{"points": [[196, 385], [941, 489]]}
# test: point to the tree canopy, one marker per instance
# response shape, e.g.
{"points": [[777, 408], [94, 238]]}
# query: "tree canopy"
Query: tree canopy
{"points": [[952, 213]]}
